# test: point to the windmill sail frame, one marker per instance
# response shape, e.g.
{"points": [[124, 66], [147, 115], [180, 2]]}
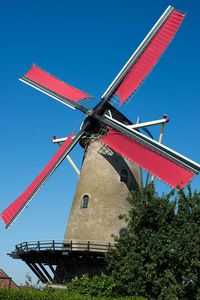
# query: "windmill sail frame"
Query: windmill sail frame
{"points": [[96, 117]]}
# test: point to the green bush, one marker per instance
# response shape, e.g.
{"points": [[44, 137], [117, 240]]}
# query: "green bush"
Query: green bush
{"points": [[50, 294], [102, 285]]}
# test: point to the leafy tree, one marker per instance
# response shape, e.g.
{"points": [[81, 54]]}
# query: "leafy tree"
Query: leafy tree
{"points": [[159, 256]]}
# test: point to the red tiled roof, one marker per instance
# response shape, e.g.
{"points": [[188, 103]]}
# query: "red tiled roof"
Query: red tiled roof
{"points": [[6, 281]]}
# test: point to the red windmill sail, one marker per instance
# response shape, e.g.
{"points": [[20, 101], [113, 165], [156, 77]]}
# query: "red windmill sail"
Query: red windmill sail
{"points": [[12, 211], [146, 56], [53, 86], [159, 165], [150, 56]]}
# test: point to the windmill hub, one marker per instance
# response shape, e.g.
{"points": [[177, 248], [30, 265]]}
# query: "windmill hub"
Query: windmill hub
{"points": [[90, 112]]}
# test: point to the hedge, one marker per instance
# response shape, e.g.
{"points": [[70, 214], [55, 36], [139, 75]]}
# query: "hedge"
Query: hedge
{"points": [[33, 294]]}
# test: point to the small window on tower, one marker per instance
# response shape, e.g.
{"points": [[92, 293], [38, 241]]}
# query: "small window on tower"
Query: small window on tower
{"points": [[85, 201], [123, 232], [124, 176]]}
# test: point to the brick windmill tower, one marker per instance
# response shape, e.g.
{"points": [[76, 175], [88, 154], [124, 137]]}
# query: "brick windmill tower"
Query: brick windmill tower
{"points": [[101, 197], [115, 150]]}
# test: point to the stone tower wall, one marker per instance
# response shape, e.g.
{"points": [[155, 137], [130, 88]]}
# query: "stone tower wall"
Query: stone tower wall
{"points": [[100, 180]]}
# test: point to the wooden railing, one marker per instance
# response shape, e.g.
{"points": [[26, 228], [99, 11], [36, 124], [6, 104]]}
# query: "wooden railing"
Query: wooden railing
{"points": [[63, 246]]}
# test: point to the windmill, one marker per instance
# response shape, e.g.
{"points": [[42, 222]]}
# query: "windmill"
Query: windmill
{"points": [[116, 145]]}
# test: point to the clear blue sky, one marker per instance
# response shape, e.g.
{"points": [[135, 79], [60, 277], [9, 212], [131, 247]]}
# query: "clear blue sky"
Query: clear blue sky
{"points": [[84, 43]]}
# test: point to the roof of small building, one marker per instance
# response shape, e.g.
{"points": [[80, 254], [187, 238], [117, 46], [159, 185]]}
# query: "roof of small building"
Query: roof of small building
{"points": [[6, 281]]}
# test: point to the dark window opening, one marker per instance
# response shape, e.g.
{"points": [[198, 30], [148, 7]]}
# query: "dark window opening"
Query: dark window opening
{"points": [[85, 201], [124, 176], [123, 232]]}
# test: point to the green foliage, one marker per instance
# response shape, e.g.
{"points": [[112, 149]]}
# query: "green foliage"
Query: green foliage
{"points": [[159, 257], [33, 294], [101, 285]]}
